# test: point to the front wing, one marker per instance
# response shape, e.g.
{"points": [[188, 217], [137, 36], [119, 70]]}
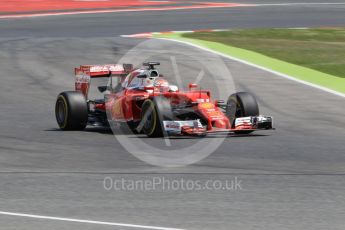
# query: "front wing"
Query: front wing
{"points": [[194, 127]]}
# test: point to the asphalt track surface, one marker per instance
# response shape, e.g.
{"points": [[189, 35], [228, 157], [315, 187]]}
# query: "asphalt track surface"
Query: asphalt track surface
{"points": [[292, 178]]}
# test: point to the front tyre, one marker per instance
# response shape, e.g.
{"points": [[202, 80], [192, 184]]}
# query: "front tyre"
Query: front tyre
{"points": [[154, 112], [241, 104], [71, 110]]}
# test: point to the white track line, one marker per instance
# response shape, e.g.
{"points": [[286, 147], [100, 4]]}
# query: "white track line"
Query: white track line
{"points": [[300, 3], [260, 67], [78, 12], [86, 221]]}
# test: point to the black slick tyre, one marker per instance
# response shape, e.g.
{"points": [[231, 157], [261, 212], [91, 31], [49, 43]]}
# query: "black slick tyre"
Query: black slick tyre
{"points": [[71, 110], [241, 104], [154, 112]]}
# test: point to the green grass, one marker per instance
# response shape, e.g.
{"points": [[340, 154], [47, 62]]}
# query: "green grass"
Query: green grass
{"points": [[319, 49]]}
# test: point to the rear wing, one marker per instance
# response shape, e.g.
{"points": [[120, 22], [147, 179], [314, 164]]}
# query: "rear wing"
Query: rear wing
{"points": [[94, 71], [84, 73]]}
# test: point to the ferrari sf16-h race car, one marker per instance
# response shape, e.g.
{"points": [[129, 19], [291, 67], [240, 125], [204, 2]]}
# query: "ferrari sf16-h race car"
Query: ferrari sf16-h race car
{"points": [[147, 103]]}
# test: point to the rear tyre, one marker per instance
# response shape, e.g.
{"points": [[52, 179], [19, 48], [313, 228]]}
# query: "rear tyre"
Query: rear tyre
{"points": [[71, 110], [154, 112], [241, 104]]}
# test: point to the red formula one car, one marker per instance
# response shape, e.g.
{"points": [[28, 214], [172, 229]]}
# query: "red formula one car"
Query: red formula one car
{"points": [[147, 103]]}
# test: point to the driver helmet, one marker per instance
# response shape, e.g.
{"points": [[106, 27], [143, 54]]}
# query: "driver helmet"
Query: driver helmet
{"points": [[161, 84]]}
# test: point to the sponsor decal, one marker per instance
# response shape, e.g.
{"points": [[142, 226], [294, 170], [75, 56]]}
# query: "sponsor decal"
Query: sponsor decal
{"points": [[206, 105], [243, 121], [82, 78], [175, 126], [101, 68], [172, 125]]}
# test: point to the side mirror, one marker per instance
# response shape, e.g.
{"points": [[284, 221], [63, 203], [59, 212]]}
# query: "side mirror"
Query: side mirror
{"points": [[219, 103], [192, 85], [102, 88]]}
